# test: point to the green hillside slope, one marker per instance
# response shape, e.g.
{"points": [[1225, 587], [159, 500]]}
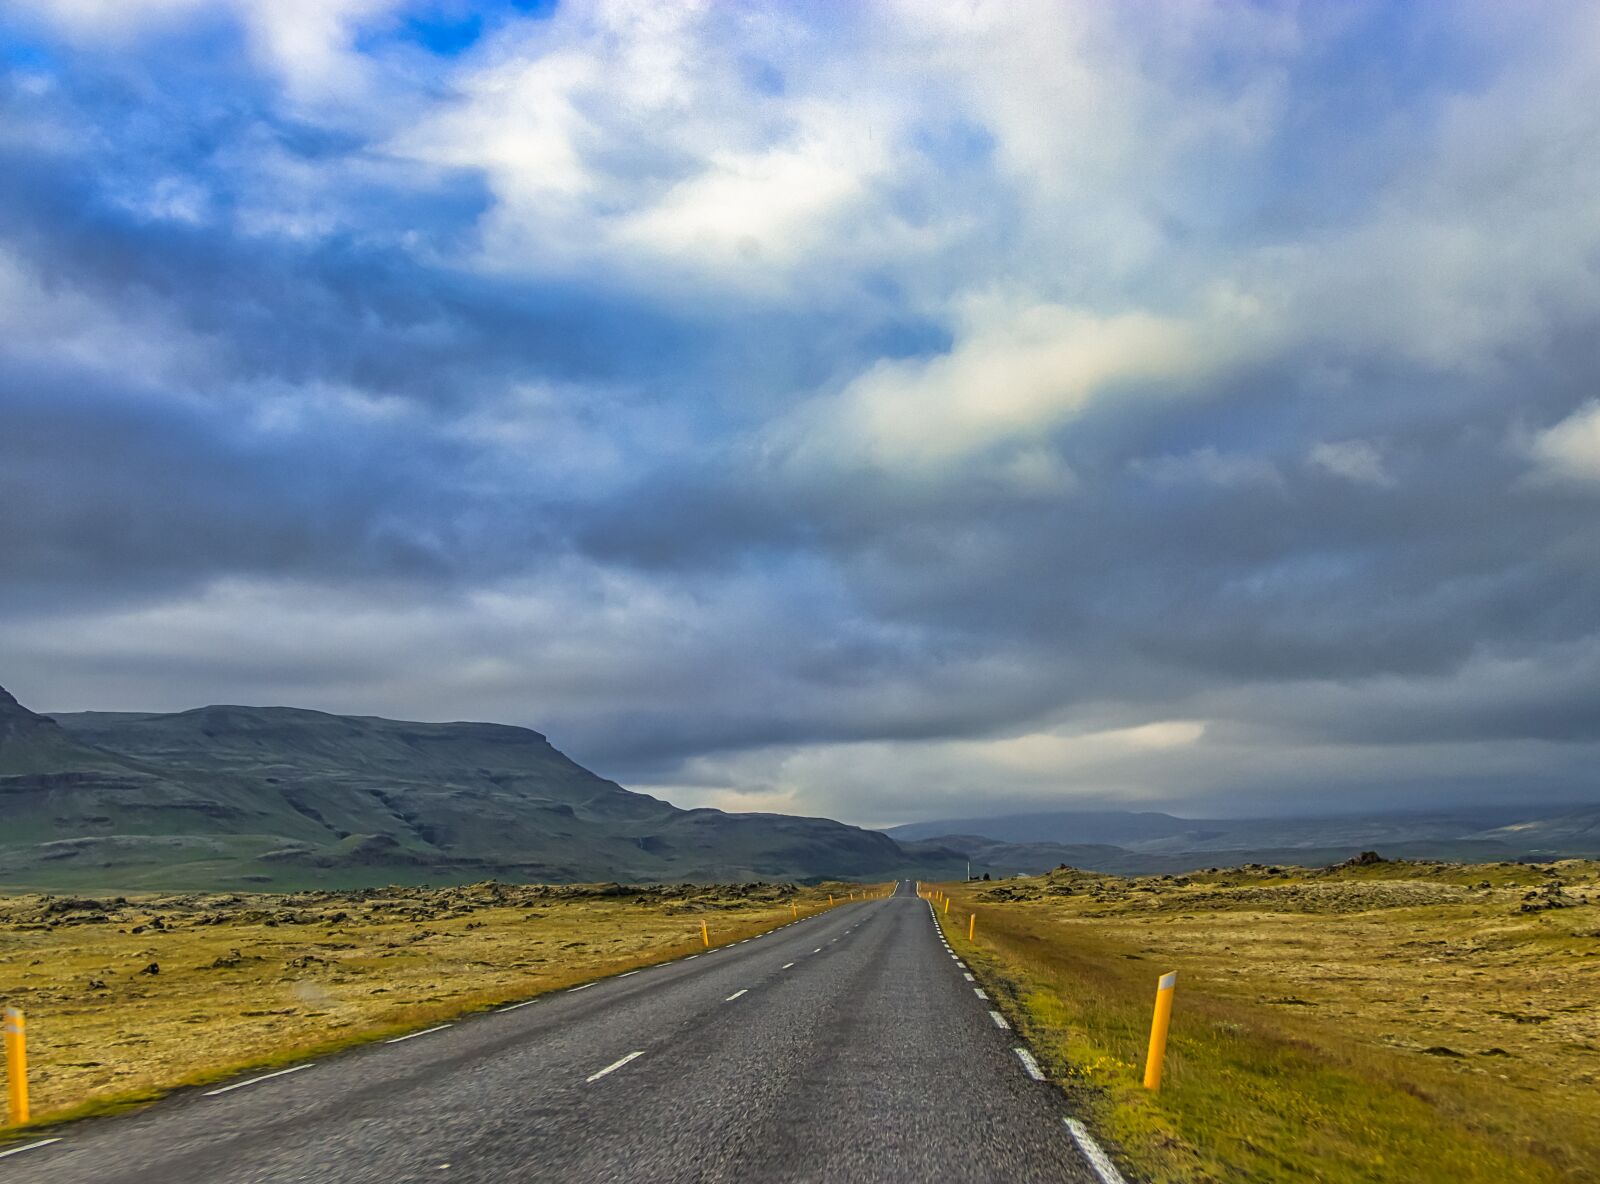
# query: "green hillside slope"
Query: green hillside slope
{"points": [[245, 796]]}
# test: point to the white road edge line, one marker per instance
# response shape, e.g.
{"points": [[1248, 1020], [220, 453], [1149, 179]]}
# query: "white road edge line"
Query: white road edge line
{"points": [[630, 974], [613, 1067], [514, 1006], [397, 1040], [980, 992], [29, 1147], [736, 994], [1028, 1063], [211, 1093], [1098, 1159], [691, 957], [584, 987], [969, 978], [999, 1020]]}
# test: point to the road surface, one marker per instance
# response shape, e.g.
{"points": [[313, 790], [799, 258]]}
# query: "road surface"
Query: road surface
{"points": [[848, 1046]]}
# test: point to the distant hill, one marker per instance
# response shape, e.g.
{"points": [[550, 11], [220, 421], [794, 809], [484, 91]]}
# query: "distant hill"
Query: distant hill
{"points": [[1144, 843], [243, 797], [1010, 859], [1120, 827], [1557, 833], [253, 796]]}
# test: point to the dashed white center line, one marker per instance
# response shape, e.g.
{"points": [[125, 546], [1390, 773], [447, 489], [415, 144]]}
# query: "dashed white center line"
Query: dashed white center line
{"points": [[786, 966], [613, 1066], [585, 987], [1028, 1063], [736, 994], [211, 1093], [818, 950], [514, 1006], [999, 1020], [397, 1040], [28, 1147]]}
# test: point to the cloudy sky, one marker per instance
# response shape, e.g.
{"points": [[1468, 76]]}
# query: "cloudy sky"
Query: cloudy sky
{"points": [[886, 410]]}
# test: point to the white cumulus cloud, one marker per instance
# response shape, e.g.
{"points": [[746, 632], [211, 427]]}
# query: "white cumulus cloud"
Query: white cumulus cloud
{"points": [[1570, 451], [1357, 461]]}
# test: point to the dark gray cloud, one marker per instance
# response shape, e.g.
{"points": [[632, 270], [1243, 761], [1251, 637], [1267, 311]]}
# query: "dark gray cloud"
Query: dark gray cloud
{"points": [[842, 423]]}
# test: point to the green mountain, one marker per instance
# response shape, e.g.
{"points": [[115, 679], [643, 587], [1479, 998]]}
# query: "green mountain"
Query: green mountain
{"points": [[253, 796]]}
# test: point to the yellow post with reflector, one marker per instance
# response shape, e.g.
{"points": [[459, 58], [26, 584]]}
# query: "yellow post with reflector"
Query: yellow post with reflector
{"points": [[972, 927], [830, 900], [16, 1033], [705, 934], [947, 904], [1166, 987], [795, 909]]}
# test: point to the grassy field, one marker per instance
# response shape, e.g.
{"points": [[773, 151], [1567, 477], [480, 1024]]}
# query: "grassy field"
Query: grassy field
{"points": [[127, 997], [1397, 1022]]}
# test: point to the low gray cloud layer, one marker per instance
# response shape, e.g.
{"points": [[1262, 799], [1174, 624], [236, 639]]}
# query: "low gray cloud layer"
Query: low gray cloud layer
{"points": [[920, 411]]}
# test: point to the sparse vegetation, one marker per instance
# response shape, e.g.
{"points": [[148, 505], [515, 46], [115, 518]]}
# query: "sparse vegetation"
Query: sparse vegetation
{"points": [[1379, 1021], [130, 996]]}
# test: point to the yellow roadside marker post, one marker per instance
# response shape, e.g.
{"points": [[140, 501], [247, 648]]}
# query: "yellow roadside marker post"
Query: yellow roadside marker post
{"points": [[830, 900], [795, 909], [1165, 988], [972, 927], [16, 1031], [705, 934], [947, 904]]}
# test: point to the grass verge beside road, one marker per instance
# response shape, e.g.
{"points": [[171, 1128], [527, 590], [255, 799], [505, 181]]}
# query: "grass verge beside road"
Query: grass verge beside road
{"points": [[127, 998], [1407, 1023]]}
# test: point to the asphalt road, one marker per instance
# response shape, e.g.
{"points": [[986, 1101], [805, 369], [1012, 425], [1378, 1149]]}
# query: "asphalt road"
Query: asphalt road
{"points": [[849, 1046]]}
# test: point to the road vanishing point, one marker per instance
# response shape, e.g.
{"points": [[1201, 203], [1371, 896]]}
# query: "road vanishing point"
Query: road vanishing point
{"points": [[848, 1046]]}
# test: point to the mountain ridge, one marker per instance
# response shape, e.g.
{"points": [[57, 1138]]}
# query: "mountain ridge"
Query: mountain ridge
{"points": [[1130, 843], [250, 796], [237, 796]]}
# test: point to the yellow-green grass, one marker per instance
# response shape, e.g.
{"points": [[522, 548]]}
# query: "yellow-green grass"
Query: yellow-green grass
{"points": [[1401, 1022], [251, 981]]}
